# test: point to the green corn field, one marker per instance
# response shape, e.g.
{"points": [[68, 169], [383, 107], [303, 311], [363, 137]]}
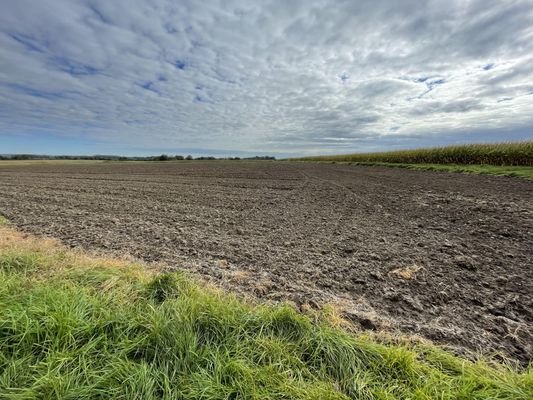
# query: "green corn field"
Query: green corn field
{"points": [[512, 153]]}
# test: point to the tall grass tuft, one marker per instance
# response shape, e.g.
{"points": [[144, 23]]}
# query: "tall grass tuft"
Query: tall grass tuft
{"points": [[72, 327], [502, 154]]}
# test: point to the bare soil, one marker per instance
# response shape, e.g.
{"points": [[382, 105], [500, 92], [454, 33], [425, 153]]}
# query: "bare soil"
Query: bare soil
{"points": [[444, 256]]}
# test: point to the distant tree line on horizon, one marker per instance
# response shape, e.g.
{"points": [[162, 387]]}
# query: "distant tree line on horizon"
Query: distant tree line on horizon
{"points": [[162, 157]]}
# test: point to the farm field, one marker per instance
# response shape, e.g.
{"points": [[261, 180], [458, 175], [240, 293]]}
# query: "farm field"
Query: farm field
{"points": [[478, 155], [443, 256]]}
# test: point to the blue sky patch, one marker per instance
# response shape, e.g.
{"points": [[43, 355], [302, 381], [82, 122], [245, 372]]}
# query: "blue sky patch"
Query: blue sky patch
{"points": [[43, 94], [28, 42], [180, 64]]}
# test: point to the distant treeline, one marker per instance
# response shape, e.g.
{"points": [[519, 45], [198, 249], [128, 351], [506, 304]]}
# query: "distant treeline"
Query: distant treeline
{"points": [[162, 157], [512, 154]]}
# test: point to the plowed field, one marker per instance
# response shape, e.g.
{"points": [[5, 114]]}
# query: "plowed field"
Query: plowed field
{"points": [[444, 256]]}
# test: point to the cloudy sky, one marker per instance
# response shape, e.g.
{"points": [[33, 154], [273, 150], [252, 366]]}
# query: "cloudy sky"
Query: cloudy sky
{"points": [[262, 77]]}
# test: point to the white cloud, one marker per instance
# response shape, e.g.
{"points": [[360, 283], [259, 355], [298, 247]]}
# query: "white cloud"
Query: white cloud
{"points": [[270, 76]]}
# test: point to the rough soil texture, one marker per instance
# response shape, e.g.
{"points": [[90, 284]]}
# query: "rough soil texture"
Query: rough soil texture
{"points": [[444, 256]]}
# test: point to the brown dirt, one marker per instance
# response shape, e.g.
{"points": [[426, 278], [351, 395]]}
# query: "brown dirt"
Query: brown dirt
{"points": [[443, 256]]}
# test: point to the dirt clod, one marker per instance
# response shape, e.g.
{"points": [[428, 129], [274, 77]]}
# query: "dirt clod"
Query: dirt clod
{"points": [[465, 262]]}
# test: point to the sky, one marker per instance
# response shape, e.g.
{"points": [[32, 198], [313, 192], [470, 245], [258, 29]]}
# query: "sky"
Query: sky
{"points": [[285, 78]]}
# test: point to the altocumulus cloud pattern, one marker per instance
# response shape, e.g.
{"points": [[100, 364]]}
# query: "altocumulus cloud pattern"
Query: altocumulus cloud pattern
{"points": [[283, 77]]}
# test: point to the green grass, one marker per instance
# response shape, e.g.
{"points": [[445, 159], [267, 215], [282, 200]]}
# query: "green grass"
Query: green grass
{"points": [[518, 171], [73, 327], [499, 154]]}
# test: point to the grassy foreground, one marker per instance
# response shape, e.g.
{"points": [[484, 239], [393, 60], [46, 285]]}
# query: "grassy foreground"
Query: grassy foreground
{"points": [[76, 327], [499, 154]]}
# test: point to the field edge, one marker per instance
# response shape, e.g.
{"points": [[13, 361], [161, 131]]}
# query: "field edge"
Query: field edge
{"points": [[524, 172], [98, 321]]}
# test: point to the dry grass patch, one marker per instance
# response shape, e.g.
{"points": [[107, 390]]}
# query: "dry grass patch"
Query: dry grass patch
{"points": [[407, 273]]}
